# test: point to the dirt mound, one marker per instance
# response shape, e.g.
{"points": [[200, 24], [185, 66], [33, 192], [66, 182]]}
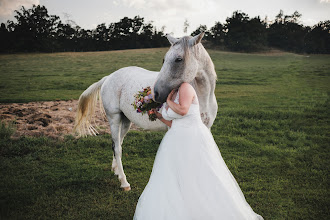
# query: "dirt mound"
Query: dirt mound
{"points": [[54, 118]]}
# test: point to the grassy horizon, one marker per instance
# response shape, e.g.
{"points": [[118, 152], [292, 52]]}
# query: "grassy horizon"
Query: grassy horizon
{"points": [[272, 129]]}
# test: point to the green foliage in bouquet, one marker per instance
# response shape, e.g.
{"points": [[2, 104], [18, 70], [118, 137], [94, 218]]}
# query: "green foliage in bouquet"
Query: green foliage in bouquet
{"points": [[144, 103]]}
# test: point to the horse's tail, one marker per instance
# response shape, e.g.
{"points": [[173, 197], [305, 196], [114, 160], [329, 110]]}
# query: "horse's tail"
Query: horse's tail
{"points": [[86, 109]]}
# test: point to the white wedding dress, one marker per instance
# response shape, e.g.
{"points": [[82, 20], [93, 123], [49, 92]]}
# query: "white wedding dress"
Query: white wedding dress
{"points": [[189, 178]]}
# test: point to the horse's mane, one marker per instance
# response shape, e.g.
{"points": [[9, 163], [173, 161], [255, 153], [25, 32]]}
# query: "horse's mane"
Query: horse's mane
{"points": [[184, 41], [197, 50]]}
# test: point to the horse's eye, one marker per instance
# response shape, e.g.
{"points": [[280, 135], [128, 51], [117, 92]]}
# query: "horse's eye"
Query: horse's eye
{"points": [[177, 60], [163, 61]]}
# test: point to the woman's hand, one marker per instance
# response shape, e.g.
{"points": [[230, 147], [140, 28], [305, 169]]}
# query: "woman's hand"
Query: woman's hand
{"points": [[170, 96], [160, 117], [154, 111], [151, 111]]}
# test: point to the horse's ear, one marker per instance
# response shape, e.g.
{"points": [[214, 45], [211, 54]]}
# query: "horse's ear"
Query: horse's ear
{"points": [[197, 39], [171, 39]]}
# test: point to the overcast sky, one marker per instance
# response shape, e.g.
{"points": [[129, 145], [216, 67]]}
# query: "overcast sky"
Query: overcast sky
{"points": [[170, 13]]}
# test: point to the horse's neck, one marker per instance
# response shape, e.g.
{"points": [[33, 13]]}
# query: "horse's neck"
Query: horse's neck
{"points": [[205, 80], [204, 87]]}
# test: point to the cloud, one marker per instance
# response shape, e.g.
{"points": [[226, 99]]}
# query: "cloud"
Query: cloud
{"points": [[165, 5], [172, 13], [7, 7]]}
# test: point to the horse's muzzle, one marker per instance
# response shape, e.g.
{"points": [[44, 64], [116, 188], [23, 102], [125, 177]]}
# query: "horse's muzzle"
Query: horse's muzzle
{"points": [[160, 93], [159, 97]]}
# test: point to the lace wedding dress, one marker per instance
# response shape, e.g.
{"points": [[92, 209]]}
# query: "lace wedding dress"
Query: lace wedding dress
{"points": [[189, 179]]}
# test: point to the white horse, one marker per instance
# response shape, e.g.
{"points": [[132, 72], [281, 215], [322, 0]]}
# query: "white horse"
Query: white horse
{"points": [[186, 61]]}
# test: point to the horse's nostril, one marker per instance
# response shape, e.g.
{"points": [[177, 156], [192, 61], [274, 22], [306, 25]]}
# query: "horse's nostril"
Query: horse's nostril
{"points": [[156, 95]]}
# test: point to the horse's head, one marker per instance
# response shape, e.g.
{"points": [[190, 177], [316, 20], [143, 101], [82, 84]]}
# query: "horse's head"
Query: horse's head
{"points": [[179, 65]]}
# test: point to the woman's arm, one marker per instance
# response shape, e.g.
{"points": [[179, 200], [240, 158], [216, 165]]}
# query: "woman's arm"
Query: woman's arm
{"points": [[185, 99], [160, 117]]}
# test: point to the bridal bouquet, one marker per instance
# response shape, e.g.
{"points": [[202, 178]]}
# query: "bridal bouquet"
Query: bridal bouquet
{"points": [[144, 103]]}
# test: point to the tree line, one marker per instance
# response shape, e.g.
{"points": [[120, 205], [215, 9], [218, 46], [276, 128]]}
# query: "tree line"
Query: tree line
{"points": [[36, 30], [241, 33]]}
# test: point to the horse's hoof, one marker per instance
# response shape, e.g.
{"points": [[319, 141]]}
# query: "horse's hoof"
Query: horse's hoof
{"points": [[128, 188]]}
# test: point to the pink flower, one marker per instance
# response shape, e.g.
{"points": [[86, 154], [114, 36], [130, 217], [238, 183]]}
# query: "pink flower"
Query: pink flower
{"points": [[146, 99]]}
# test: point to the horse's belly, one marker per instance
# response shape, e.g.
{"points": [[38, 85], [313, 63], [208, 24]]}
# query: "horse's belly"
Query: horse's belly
{"points": [[143, 122], [139, 119], [134, 80]]}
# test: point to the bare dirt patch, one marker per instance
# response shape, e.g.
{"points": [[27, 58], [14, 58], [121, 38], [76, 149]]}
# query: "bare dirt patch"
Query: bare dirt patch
{"points": [[54, 118]]}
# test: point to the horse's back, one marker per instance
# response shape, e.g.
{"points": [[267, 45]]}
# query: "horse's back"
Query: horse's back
{"points": [[131, 72], [127, 76]]}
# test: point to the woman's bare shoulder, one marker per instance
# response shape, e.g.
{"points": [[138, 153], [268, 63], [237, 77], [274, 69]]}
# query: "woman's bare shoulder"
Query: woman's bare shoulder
{"points": [[186, 90], [186, 86]]}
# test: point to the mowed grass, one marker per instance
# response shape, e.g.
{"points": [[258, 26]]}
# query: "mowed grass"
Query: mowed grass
{"points": [[63, 76], [272, 129]]}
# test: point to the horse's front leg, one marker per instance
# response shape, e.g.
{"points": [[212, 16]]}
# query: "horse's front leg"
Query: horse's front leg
{"points": [[115, 126]]}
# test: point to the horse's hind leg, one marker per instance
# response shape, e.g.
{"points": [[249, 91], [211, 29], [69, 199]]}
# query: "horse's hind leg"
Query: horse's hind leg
{"points": [[116, 121], [125, 126], [114, 166]]}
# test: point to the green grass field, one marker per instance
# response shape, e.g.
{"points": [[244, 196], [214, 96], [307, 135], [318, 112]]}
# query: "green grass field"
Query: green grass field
{"points": [[272, 129]]}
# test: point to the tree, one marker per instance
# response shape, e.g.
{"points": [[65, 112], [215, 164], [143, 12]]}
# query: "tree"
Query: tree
{"points": [[286, 33], [101, 37], [65, 37], [146, 36], [318, 38], [245, 34], [200, 29], [279, 17], [35, 29], [125, 33], [257, 34], [217, 34], [185, 26], [4, 38], [235, 28]]}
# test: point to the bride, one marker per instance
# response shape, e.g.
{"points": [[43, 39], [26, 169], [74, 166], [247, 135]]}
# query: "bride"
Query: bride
{"points": [[189, 179]]}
